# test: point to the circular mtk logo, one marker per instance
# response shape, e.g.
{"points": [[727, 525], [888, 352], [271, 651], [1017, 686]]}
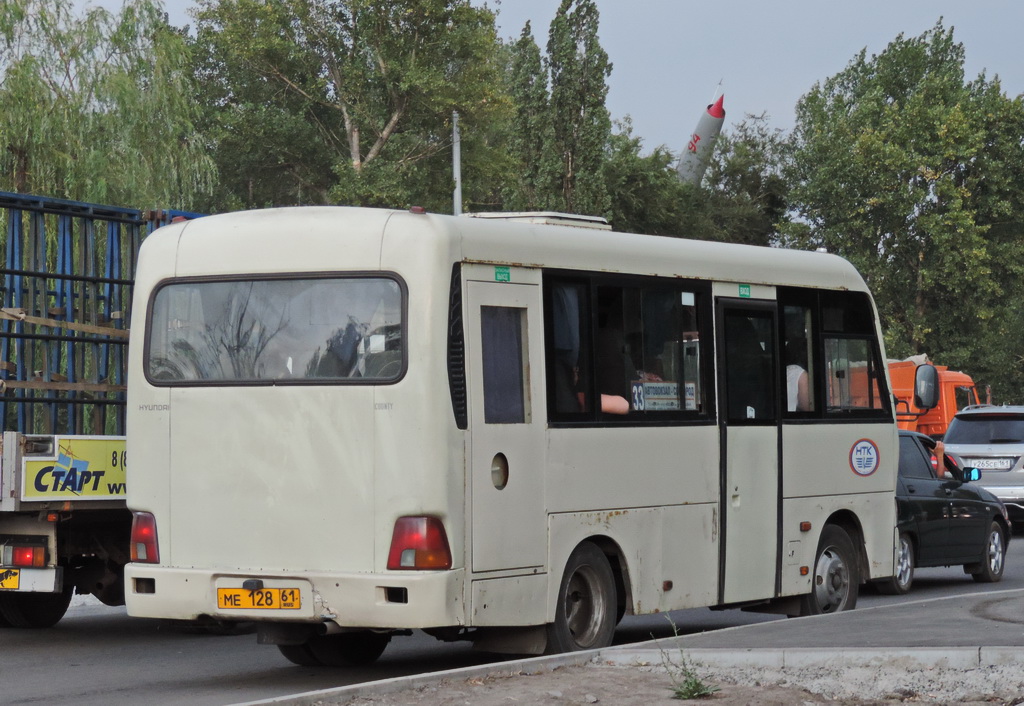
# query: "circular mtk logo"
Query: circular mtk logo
{"points": [[864, 457]]}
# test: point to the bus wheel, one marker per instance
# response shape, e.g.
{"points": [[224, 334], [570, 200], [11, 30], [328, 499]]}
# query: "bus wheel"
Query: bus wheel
{"points": [[586, 609], [348, 649], [991, 569], [300, 655], [34, 610], [836, 580], [900, 583]]}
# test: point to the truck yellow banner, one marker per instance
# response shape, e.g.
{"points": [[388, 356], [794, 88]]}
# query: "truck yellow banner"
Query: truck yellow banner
{"points": [[83, 467]]}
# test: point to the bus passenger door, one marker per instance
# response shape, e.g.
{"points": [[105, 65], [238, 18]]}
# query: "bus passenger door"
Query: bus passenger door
{"points": [[748, 417], [505, 347]]}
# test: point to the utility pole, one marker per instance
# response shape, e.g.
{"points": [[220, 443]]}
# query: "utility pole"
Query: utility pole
{"points": [[457, 164]]}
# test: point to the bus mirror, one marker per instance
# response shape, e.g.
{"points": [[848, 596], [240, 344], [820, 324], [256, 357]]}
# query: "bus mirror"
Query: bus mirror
{"points": [[926, 386]]}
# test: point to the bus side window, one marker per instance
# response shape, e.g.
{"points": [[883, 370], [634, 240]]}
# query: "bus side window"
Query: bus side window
{"points": [[750, 363], [623, 350], [852, 364], [799, 358], [505, 381]]}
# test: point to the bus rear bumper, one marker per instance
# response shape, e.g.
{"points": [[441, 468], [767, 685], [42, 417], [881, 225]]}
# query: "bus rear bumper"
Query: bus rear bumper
{"points": [[393, 600]]}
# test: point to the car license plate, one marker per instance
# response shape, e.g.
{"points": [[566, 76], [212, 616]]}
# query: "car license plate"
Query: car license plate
{"points": [[996, 464], [9, 579], [259, 599]]}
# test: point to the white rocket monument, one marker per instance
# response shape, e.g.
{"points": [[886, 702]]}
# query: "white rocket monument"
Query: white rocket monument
{"points": [[694, 160]]}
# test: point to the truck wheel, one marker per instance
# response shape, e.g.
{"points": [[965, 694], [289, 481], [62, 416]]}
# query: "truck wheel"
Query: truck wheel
{"points": [[348, 649], [991, 569], [835, 580], [34, 610], [900, 583], [585, 613]]}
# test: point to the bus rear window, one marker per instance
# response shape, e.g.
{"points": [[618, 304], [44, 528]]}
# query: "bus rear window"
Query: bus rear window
{"points": [[274, 331]]}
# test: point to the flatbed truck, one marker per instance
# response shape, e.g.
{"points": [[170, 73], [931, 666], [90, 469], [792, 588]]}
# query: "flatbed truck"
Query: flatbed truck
{"points": [[65, 297]]}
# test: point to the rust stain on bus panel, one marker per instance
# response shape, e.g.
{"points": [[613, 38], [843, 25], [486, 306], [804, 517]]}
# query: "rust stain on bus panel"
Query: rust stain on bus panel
{"points": [[605, 519]]}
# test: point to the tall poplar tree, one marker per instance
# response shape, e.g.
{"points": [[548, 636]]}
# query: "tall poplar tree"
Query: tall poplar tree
{"points": [[579, 70], [532, 186]]}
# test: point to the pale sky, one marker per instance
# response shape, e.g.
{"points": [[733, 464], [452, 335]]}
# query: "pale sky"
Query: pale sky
{"points": [[668, 56]]}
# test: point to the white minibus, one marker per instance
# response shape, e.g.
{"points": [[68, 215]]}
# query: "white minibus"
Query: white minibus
{"points": [[348, 423]]}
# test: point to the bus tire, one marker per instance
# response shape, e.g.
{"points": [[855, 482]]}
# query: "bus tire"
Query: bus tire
{"points": [[348, 649], [585, 612], [835, 579], [34, 610], [990, 570], [300, 655], [900, 583]]}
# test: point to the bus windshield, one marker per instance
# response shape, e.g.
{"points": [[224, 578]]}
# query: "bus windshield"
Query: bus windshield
{"points": [[272, 331]]}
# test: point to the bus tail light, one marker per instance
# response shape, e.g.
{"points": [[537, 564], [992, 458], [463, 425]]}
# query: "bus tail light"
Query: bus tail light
{"points": [[27, 555], [419, 543], [144, 548]]}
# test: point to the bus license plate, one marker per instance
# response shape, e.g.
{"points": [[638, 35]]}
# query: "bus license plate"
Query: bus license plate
{"points": [[262, 599]]}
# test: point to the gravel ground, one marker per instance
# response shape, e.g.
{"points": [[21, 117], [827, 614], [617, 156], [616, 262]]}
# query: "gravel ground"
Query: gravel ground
{"points": [[652, 685]]}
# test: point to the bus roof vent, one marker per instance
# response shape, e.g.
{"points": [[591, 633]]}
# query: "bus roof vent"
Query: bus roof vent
{"points": [[550, 218]]}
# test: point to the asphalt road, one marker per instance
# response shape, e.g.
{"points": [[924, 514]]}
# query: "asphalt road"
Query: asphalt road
{"points": [[98, 655]]}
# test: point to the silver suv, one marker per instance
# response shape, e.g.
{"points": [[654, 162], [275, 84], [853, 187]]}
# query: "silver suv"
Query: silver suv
{"points": [[991, 439]]}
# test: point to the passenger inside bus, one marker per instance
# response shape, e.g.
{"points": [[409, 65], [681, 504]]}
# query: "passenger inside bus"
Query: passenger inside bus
{"points": [[569, 397], [797, 394], [615, 367]]}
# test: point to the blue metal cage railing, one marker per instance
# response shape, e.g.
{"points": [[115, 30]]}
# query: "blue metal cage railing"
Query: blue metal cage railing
{"points": [[66, 303]]}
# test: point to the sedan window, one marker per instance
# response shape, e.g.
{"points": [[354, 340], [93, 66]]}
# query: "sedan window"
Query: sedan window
{"points": [[914, 462]]}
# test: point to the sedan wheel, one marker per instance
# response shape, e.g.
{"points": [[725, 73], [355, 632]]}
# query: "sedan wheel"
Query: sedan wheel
{"points": [[990, 570], [901, 582]]}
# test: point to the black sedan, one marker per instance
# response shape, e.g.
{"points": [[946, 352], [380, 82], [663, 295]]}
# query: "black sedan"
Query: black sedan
{"points": [[944, 520]]}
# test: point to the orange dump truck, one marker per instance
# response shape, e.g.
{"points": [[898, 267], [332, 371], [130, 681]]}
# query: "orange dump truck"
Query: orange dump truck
{"points": [[956, 391]]}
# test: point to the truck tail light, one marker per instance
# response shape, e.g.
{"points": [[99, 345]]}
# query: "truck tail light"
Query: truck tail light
{"points": [[419, 543], [144, 547], [27, 555]]}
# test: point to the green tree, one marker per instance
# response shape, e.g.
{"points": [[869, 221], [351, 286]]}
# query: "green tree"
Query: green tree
{"points": [[532, 185], [915, 176], [370, 87], [646, 195], [746, 195], [579, 69], [100, 107]]}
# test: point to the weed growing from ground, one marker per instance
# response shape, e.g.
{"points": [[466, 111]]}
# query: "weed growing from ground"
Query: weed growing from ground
{"points": [[686, 683]]}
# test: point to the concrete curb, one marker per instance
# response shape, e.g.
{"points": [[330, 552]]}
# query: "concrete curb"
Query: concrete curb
{"points": [[669, 650], [805, 657]]}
